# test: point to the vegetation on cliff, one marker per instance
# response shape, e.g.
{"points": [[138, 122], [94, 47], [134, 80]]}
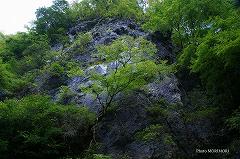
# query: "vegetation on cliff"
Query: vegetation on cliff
{"points": [[206, 40]]}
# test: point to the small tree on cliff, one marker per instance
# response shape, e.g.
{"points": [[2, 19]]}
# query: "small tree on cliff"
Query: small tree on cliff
{"points": [[132, 67]]}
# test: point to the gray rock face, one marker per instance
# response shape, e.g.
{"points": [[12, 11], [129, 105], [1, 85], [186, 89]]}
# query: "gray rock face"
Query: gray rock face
{"points": [[83, 26], [3, 95], [57, 47], [108, 31], [117, 131], [167, 88], [164, 46], [50, 84], [103, 32]]}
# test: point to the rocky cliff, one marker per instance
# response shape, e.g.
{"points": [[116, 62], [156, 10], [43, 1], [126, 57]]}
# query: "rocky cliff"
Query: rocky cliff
{"points": [[131, 129]]}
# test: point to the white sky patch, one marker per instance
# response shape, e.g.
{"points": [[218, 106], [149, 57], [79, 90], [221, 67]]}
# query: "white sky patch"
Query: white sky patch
{"points": [[15, 14]]}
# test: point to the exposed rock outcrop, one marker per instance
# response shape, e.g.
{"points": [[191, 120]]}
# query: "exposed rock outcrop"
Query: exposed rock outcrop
{"points": [[118, 131]]}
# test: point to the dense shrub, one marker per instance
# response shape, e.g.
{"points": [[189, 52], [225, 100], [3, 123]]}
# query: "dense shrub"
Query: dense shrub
{"points": [[8, 80], [55, 69], [35, 127]]}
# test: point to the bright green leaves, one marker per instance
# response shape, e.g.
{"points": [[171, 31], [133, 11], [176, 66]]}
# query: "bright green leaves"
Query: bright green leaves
{"points": [[125, 9], [16, 44], [185, 19], [89, 9], [132, 76], [25, 51], [2, 36], [130, 67], [160, 15], [65, 95], [133, 67], [127, 49], [223, 46], [5, 75], [187, 56], [73, 69], [207, 35], [55, 69], [81, 42]]}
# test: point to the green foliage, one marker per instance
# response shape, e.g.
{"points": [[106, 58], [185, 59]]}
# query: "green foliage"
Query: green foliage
{"points": [[234, 121], [200, 114], [5, 76], [200, 106], [81, 42], [93, 153], [161, 109], [133, 69], [185, 19], [8, 80], [35, 127], [2, 46], [89, 9], [2, 36], [153, 133], [168, 140], [150, 133], [127, 49], [16, 44], [216, 61], [73, 69], [207, 34], [55, 69], [100, 156], [125, 9], [65, 95], [187, 56], [53, 21], [233, 125], [25, 51]]}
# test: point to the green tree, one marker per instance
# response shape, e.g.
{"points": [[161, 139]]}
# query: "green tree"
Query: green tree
{"points": [[53, 21], [217, 59], [25, 51], [186, 20], [89, 9], [35, 127], [15, 45], [22, 44], [207, 33], [8, 80], [133, 69]]}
